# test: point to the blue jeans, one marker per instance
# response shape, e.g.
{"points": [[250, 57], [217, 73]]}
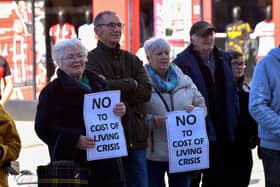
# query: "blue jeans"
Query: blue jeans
{"points": [[135, 168], [271, 165], [157, 170]]}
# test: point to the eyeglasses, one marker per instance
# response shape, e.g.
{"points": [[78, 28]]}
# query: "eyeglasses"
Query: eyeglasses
{"points": [[112, 25], [238, 63], [74, 57]]}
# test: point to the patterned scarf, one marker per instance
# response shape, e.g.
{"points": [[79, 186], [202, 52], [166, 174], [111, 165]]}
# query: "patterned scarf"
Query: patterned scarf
{"points": [[164, 85]]}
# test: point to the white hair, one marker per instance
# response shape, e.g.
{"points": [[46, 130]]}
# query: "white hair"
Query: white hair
{"points": [[58, 49], [194, 37], [155, 43]]}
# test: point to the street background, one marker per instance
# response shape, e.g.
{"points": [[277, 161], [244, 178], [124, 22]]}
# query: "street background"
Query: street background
{"points": [[34, 152]]}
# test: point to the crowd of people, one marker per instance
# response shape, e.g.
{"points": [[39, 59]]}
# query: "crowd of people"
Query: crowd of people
{"points": [[201, 76]]}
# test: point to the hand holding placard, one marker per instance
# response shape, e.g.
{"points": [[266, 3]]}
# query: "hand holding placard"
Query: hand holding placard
{"points": [[104, 126]]}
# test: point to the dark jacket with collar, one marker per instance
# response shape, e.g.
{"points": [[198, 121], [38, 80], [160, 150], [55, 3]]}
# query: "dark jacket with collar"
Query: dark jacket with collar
{"points": [[220, 94], [247, 128], [60, 113], [124, 71]]}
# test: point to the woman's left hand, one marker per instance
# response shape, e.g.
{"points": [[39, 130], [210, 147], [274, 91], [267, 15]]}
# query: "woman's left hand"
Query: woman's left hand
{"points": [[120, 109]]}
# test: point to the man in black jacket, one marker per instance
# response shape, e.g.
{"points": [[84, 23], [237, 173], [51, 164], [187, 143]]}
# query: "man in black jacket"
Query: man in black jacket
{"points": [[210, 70], [124, 71]]}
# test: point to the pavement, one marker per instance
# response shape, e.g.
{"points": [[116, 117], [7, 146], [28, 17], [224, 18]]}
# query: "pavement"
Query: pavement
{"points": [[34, 152], [257, 176]]}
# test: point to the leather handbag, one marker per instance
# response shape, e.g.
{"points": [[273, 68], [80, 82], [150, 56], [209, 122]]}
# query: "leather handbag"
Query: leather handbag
{"points": [[62, 173]]}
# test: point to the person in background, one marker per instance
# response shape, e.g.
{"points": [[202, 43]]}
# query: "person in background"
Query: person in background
{"points": [[264, 31], [61, 30], [172, 90], [238, 33], [59, 116], [124, 71], [86, 32], [6, 79], [210, 70], [264, 106], [247, 129], [10, 144]]}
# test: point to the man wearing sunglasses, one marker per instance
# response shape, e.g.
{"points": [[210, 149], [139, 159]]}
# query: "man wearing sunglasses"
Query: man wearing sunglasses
{"points": [[124, 71]]}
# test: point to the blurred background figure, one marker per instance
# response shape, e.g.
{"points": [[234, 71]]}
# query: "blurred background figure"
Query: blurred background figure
{"points": [[86, 32], [6, 80], [264, 31], [61, 30], [237, 33], [146, 20], [237, 39], [142, 55]]}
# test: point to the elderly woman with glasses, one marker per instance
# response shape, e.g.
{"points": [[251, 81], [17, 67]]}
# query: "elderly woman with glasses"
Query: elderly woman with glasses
{"points": [[60, 113], [172, 90]]}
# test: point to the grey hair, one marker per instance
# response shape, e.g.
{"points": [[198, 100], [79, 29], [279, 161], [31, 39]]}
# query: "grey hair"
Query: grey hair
{"points": [[59, 49], [194, 37], [99, 17], [153, 43]]}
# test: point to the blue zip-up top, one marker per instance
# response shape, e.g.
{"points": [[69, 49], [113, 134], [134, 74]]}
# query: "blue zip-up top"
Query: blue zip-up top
{"points": [[264, 102]]}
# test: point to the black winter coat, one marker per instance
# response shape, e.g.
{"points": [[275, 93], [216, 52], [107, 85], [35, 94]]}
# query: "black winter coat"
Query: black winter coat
{"points": [[247, 128], [60, 114], [124, 71], [220, 94]]}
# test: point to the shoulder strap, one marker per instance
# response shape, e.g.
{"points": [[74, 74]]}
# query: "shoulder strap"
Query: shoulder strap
{"points": [[165, 104]]}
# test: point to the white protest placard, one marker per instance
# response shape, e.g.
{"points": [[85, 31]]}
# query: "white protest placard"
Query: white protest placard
{"points": [[104, 126], [187, 141]]}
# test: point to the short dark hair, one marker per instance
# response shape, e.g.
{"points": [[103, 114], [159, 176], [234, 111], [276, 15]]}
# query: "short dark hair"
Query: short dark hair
{"points": [[99, 17]]}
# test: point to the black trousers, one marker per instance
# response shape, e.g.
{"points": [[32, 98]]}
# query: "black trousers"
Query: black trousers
{"points": [[107, 173], [230, 165]]}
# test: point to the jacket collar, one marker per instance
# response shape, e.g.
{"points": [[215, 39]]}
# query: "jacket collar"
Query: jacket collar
{"points": [[112, 51], [69, 84]]}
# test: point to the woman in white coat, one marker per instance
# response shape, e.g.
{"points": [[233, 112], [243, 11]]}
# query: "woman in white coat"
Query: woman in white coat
{"points": [[172, 90]]}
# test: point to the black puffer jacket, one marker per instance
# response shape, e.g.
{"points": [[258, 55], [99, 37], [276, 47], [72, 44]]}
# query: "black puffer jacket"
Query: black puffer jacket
{"points": [[124, 71]]}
